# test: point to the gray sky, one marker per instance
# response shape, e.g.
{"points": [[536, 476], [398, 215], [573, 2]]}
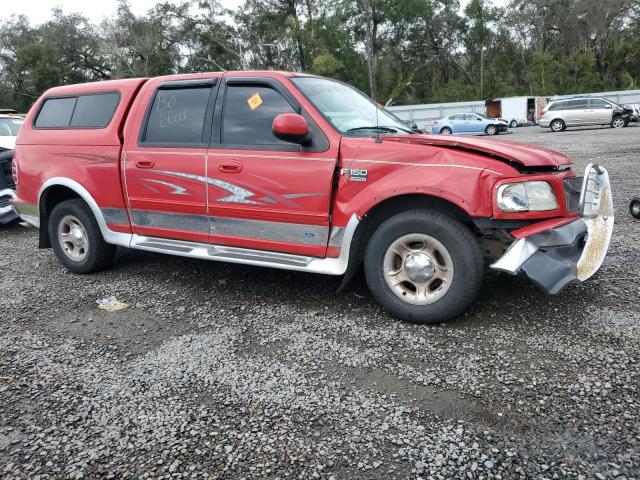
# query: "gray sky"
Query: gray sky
{"points": [[40, 10]]}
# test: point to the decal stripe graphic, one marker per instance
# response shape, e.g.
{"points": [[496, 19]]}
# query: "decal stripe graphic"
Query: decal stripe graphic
{"points": [[177, 189], [238, 194]]}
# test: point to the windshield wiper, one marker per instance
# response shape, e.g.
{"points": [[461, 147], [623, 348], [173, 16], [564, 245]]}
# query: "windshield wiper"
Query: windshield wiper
{"points": [[374, 127]]}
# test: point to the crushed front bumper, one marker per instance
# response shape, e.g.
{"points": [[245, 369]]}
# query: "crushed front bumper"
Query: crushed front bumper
{"points": [[7, 214], [570, 253]]}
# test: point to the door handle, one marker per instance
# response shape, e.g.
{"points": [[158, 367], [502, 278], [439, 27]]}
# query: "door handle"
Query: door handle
{"points": [[230, 166], [145, 162]]}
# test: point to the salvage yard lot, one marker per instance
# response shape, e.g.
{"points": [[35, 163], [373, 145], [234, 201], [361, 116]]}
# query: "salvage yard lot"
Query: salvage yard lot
{"points": [[228, 371]]}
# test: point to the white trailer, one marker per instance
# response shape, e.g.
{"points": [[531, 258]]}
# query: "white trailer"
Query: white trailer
{"points": [[516, 110]]}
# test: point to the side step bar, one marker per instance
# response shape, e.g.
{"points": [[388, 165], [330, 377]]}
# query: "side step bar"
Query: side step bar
{"points": [[261, 258]]}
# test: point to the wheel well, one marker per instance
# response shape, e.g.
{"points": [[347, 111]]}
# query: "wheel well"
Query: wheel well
{"points": [[390, 207], [51, 197]]}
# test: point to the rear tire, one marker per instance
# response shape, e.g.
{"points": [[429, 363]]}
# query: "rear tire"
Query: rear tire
{"points": [[76, 238], [513, 124], [557, 125], [446, 131], [439, 266]]}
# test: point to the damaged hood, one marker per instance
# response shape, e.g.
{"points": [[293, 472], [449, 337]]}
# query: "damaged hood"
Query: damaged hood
{"points": [[512, 152]]}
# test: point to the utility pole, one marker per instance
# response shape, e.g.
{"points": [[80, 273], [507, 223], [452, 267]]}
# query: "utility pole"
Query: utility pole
{"points": [[369, 45], [482, 71]]}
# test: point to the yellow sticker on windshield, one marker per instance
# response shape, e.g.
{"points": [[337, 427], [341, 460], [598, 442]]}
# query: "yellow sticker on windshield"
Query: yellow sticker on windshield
{"points": [[254, 101]]}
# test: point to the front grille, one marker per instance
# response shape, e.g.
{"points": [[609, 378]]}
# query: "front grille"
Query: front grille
{"points": [[572, 189]]}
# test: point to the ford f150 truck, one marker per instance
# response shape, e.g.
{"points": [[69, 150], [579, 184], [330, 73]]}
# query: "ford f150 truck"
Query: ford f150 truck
{"points": [[304, 173]]}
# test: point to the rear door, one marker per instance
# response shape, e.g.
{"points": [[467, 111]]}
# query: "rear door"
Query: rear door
{"points": [[265, 193], [457, 122], [576, 112], [165, 159]]}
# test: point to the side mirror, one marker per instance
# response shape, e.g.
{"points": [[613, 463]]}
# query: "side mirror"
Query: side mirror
{"points": [[291, 127], [608, 105]]}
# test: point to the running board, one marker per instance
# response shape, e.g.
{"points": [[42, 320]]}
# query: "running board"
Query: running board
{"points": [[261, 258]]}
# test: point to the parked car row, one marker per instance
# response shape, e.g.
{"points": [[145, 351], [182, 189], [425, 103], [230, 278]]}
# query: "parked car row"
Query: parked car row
{"points": [[469, 124], [10, 124]]}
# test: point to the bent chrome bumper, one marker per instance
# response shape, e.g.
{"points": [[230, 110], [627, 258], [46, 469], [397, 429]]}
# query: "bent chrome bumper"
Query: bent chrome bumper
{"points": [[572, 252], [6, 211]]}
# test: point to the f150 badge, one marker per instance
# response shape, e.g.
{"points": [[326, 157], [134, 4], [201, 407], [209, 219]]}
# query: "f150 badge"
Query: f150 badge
{"points": [[355, 174]]}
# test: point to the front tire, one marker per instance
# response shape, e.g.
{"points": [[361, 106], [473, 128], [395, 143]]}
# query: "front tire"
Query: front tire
{"points": [[76, 238], [618, 122], [491, 130], [423, 267]]}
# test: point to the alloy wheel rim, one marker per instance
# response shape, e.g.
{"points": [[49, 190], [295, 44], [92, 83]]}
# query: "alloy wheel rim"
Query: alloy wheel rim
{"points": [[73, 238], [635, 210], [618, 122], [557, 126], [491, 130], [446, 131], [418, 269]]}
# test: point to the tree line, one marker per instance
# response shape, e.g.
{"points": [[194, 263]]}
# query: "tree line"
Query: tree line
{"points": [[399, 51]]}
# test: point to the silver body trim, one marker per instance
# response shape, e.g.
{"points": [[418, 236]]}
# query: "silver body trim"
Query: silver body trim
{"points": [[115, 215], [273, 231], [172, 221], [245, 256]]}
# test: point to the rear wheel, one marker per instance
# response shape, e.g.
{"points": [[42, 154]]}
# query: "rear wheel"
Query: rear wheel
{"points": [[557, 125], [423, 267], [76, 238], [634, 208], [513, 124], [446, 131], [491, 130], [618, 122]]}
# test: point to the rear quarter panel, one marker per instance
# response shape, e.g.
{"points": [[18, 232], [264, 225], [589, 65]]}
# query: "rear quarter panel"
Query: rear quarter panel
{"points": [[89, 156]]}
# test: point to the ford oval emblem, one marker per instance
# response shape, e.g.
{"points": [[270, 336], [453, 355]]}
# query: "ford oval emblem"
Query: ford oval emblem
{"points": [[309, 234]]}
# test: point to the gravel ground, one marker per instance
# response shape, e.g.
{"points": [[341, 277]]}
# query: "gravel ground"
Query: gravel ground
{"points": [[226, 371]]}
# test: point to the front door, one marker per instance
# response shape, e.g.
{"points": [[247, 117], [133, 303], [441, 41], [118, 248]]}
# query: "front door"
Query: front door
{"points": [[266, 193], [165, 159], [600, 111]]}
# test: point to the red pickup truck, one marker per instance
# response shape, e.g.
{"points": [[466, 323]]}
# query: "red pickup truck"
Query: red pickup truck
{"points": [[304, 173]]}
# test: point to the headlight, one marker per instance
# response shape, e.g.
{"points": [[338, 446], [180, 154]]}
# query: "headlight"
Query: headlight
{"points": [[526, 196]]}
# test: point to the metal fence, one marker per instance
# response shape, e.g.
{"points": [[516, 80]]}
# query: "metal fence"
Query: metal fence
{"points": [[425, 114], [622, 97]]}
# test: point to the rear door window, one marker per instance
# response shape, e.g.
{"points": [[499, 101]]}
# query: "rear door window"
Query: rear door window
{"points": [[457, 116], [177, 116], [581, 104], [249, 111]]}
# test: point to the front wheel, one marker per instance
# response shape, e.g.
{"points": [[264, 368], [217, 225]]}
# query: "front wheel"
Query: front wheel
{"points": [[491, 130], [423, 267], [76, 238], [618, 122]]}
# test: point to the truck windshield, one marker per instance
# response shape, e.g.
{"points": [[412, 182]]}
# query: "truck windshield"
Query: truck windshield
{"points": [[349, 110]]}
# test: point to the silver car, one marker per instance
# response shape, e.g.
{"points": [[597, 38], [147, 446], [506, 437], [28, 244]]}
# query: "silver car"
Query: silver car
{"points": [[560, 114]]}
